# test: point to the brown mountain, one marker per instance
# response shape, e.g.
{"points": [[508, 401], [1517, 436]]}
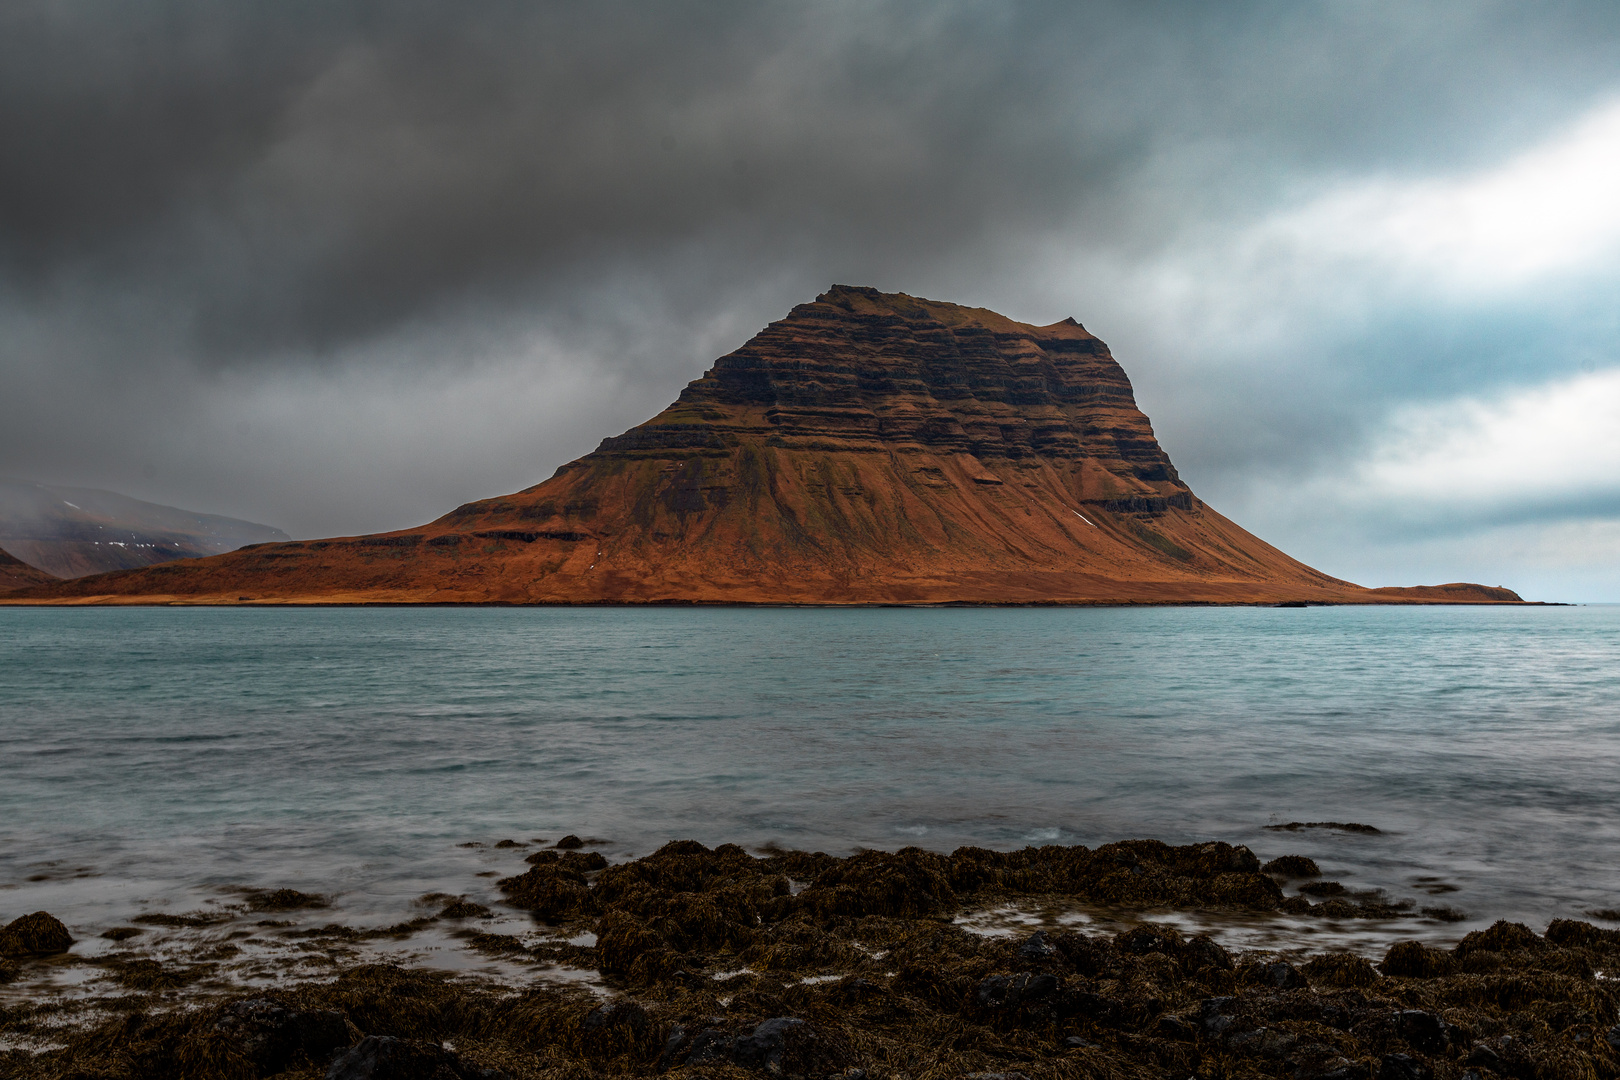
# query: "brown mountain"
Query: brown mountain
{"points": [[16, 574], [75, 532], [869, 448]]}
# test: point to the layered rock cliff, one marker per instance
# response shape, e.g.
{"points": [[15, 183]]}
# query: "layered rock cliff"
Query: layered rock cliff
{"points": [[868, 448]]}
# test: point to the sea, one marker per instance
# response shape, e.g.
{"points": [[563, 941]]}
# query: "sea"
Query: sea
{"points": [[162, 760]]}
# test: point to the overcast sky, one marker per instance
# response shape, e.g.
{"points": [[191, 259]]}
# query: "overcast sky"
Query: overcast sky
{"points": [[339, 267]]}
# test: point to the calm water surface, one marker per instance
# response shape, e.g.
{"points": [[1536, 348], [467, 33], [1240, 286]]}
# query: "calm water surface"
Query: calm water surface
{"points": [[158, 759]]}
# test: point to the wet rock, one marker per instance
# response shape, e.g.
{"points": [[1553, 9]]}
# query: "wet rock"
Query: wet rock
{"points": [[1202, 953], [1612, 1037], [39, 934], [1323, 888], [788, 1046], [1173, 1027], [1335, 826], [121, 933], [1413, 960], [1501, 936], [1282, 976], [283, 900], [465, 909], [1149, 939], [1403, 1067], [1336, 1069], [1002, 991], [579, 862], [1424, 1031], [1292, 866], [1218, 1016], [1036, 947], [1341, 969], [570, 842], [382, 1057], [711, 1046], [907, 883], [271, 1037], [620, 1027], [1263, 1042], [510, 843], [1088, 956], [1075, 1042]]}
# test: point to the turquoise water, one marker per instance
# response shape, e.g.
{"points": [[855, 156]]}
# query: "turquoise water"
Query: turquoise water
{"points": [[152, 758]]}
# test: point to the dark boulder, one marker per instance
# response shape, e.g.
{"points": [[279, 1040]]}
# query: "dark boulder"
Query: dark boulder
{"points": [[1341, 969], [1403, 1067], [790, 1047], [1201, 953], [1037, 947], [1282, 976], [1424, 1031], [382, 1057], [1008, 991], [1413, 960], [39, 934], [270, 1037], [1292, 866]]}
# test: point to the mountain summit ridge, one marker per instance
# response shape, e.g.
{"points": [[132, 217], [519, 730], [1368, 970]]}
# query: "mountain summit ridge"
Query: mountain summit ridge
{"points": [[868, 448]]}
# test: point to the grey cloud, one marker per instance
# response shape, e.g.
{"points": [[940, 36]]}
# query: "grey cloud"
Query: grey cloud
{"points": [[192, 194]]}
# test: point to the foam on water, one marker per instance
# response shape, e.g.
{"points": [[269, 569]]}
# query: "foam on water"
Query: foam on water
{"points": [[162, 760]]}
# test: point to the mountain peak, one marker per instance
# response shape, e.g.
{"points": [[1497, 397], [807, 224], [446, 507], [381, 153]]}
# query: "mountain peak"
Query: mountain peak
{"points": [[869, 447]]}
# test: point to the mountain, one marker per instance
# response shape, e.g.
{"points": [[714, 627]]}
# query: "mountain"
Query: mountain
{"points": [[869, 448], [75, 532], [16, 574]]}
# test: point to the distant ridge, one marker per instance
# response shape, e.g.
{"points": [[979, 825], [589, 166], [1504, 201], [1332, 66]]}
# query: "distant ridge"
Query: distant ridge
{"points": [[75, 532], [869, 448], [16, 574]]}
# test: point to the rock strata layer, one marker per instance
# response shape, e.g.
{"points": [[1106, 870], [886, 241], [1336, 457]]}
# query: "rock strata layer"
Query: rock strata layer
{"points": [[868, 448]]}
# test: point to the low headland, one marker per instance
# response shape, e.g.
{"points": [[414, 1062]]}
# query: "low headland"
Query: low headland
{"points": [[698, 962]]}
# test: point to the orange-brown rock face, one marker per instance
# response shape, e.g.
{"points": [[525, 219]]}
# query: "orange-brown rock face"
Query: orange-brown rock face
{"points": [[869, 448]]}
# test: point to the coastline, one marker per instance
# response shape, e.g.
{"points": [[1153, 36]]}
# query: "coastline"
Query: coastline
{"points": [[910, 964]]}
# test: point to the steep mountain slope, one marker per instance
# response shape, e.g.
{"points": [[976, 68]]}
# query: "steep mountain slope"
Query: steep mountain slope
{"points": [[75, 532], [869, 448], [16, 574]]}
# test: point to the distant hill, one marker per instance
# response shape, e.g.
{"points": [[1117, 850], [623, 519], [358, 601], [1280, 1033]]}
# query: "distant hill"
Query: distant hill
{"points": [[870, 448], [16, 574], [75, 532]]}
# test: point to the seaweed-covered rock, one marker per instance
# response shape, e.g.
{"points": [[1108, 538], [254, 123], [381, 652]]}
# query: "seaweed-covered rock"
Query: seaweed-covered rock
{"points": [[381, 1057], [1414, 960], [789, 1047], [270, 1037], [907, 883], [39, 934], [1501, 936], [551, 891], [1340, 969], [1292, 866]]}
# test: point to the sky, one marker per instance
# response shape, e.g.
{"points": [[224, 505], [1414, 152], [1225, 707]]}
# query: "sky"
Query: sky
{"points": [[339, 267]]}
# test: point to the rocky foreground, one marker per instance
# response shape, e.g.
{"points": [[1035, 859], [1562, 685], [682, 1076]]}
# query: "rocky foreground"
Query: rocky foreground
{"points": [[721, 964]]}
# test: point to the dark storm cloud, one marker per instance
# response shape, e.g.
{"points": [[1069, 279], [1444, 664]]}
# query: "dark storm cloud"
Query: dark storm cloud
{"points": [[304, 174], [207, 209]]}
